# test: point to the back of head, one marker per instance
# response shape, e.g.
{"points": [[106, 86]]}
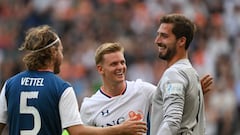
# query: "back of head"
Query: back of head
{"points": [[37, 42], [182, 26], [107, 48]]}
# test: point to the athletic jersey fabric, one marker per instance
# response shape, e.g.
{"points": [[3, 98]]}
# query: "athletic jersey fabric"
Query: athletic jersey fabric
{"points": [[38, 102], [101, 111], [178, 106]]}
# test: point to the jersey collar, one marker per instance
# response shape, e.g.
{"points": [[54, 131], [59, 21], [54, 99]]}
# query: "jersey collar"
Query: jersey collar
{"points": [[102, 91]]}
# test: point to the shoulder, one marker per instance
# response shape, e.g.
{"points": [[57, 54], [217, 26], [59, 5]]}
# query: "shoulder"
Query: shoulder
{"points": [[93, 100], [177, 74], [91, 104], [179, 68], [140, 86], [139, 83], [18, 75]]}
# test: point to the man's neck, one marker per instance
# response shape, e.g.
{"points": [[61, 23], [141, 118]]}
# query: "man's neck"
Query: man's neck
{"points": [[176, 58], [114, 89], [45, 69]]}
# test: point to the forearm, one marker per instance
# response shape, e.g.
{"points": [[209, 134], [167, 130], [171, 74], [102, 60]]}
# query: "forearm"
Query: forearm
{"points": [[167, 129], [173, 115], [127, 128], [89, 130], [112, 130]]}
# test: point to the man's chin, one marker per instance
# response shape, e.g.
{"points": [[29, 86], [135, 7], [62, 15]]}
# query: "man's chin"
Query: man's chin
{"points": [[164, 57], [121, 79]]}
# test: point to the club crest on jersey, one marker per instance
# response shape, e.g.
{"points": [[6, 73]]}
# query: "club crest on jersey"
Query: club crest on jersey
{"points": [[174, 88], [105, 112], [137, 115]]}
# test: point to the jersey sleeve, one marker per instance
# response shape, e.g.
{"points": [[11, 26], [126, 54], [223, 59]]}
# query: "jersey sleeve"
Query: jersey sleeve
{"points": [[173, 87], [148, 88], [3, 106], [85, 113], [68, 108]]}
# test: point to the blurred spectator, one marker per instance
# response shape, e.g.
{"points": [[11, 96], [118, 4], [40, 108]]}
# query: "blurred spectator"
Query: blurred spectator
{"points": [[222, 100]]}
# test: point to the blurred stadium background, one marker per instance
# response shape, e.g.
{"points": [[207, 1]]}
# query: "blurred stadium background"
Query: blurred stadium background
{"points": [[85, 24]]}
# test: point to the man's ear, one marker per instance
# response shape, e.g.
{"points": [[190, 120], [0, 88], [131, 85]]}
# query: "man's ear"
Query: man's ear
{"points": [[99, 68], [182, 41]]}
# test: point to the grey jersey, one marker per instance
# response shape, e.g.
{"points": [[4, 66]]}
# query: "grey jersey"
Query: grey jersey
{"points": [[178, 106]]}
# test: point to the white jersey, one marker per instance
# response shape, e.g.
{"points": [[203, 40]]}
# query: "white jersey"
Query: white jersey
{"points": [[178, 106], [102, 111]]}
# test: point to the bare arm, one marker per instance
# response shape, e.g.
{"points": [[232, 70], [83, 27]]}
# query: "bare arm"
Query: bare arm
{"points": [[2, 127], [127, 128], [206, 83]]}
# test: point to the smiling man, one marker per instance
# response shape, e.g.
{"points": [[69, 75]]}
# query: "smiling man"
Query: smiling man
{"points": [[178, 105], [118, 99]]}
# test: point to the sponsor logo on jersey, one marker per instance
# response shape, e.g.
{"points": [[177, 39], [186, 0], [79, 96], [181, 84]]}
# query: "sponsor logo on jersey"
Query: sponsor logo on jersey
{"points": [[137, 115], [114, 122], [105, 112]]}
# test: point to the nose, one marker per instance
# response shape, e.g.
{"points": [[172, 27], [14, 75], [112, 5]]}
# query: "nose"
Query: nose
{"points": [[120, 66], [157, 39]]}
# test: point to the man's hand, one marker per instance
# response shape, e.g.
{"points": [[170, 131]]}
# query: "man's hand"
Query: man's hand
{"points": [[206, 83], [133, 127]]}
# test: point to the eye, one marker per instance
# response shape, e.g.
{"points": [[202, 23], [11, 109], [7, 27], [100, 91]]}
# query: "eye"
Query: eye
{"points": [[123, 62], [113, 64], [163, 35]]}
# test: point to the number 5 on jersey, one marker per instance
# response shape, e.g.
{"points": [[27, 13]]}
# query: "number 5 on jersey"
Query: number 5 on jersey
{"points": [[25, 109]]}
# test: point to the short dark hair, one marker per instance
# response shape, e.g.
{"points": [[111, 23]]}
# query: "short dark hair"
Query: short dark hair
{"points": [[182, 26]]}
